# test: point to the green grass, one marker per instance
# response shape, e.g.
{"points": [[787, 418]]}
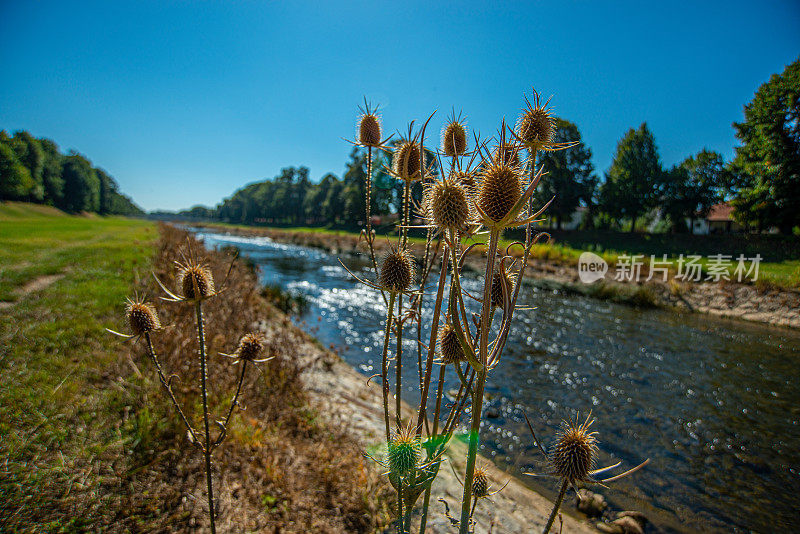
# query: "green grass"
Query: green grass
{"points": [[54, 414], [779, 267]]}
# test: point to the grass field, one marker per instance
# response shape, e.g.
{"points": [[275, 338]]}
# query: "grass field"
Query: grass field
{"points": [[53, 349], [780, 266], [88, 440]]}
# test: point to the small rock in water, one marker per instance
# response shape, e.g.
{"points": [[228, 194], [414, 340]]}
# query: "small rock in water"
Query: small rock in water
{"points": [[492, 413], [629, 525], [591, 504], [638, 516], [609, 528]]}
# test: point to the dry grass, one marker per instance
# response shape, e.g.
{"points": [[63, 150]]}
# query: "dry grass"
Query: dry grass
{"points": [[281, 469]]}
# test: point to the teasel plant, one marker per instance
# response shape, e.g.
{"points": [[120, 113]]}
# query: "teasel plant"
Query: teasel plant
{"points": [[486, 192], [195, 286], [572, 459]]}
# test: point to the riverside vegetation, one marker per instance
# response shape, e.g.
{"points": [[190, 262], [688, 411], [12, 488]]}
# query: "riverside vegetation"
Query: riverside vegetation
{"points": [[87, 437], [488, 189]]}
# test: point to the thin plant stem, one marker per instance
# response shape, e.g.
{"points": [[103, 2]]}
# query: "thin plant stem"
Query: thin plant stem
{"points": [[477, 403], [398, 360], [385, 363], [400, 519], [556, 506], [207, 448], [168, 387], [234, 403]]}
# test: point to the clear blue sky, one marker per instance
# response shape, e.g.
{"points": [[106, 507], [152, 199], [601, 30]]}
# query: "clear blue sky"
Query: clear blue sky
{"points": [[184, 102]]}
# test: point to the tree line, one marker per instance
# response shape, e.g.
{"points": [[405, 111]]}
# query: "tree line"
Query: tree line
{"points": [[34, 170], [762, 182]]}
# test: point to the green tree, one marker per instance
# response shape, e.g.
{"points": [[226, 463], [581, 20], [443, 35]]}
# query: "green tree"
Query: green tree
{"points": [[693, 187], [29, 153], [569, 174], [768, 161], [15, 179], [51, 173], [634, 181], [81, 185]]}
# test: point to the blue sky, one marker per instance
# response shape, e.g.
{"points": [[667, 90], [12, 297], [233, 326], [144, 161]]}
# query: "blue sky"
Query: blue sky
{"points": [[184, 102]]}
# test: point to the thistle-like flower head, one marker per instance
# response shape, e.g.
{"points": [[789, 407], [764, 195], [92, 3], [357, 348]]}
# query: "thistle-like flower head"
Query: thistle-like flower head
{"points": [[405, 451], [196, 281], [407, 160], [573, 454], [449, 346], [454, 137], [142, 317], [397, 271], [480, 482]]}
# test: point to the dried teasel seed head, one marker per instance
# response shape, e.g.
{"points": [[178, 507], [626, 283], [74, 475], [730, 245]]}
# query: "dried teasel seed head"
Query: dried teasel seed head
{"points": [[448, 205], [535, 127], [397, 271], [454, 139], [507, 154], [573, 454], [199, 276], [407, 161], [467, 179], [369, 130], [449, 345], [250, 346], [405, 451], [142, 317], [500, 188], [480, 483], [498, 280]]}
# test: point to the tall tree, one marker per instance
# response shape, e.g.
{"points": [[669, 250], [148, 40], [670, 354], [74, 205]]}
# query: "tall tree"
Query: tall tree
{"points": [[768, 162], [634, 181], [29, 153], [15, 179], [81, 185], [693, 187], [569, 174], [51, 173]]}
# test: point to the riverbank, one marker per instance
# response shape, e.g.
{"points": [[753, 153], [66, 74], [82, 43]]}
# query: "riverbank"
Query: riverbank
{"points": [[761, 303]]}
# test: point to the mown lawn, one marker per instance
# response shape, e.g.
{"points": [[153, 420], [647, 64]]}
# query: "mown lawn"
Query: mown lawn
{"points": [[55, 419]]}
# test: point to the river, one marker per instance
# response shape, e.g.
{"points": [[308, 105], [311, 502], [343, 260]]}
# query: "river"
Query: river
{"points": [[713, 403]]}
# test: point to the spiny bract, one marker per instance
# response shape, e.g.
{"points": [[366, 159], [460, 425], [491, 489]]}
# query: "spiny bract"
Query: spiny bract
{"points": [[369, 130], [250, 346], [448, 205], [500, 188], [198, 276], [449, 345], [142, 317], [454, 139], [397, 271], [573, 454], [405, 451], [407, 161]]}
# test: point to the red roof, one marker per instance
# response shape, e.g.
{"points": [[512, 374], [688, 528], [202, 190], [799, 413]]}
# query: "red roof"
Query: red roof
{"points": [[720, 212]]}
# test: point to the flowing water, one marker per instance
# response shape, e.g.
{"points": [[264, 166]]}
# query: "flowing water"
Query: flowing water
{"points": [[712, 403]]}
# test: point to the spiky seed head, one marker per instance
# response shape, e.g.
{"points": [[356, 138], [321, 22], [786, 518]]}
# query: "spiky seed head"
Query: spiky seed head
{"points": [[480, 483], [407, 161], [405, 451], [448, 205], [507, 153], [141, 317], [499, 190], [454, 139], [535, 127], [573, 454], [397, 271], [449, 346], [199, 276], [250, 346], [498, 280], [369, 130], [467, 179]]}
